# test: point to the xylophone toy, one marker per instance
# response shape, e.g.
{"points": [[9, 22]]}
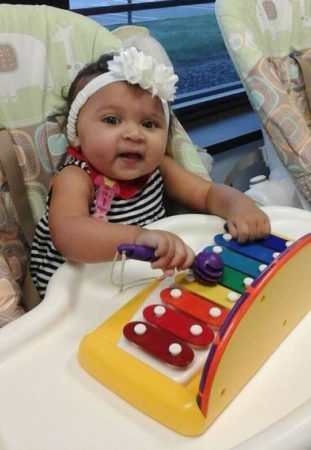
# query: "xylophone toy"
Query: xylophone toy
{"points": [[180, 352]]}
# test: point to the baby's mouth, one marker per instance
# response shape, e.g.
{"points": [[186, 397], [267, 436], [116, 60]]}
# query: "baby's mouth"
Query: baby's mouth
{"points": [[130, 157]]}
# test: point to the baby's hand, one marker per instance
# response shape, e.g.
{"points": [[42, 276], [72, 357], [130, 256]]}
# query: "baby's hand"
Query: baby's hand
{"points": [[171, 251], [249, 224]]}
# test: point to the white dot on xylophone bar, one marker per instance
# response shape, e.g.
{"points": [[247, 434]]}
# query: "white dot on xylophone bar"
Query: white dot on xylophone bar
{"points": [[262, 267], [227, 237], [159, 310], [233, 296], [175, 349], [196, 330], [217, 249], [215, 312], [275, 255], [288, 243], [140, 329], [248, 281], [175, 293]]}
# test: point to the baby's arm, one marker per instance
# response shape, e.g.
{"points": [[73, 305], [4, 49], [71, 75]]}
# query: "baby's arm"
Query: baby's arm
{"points": [[80, 237], [245, 220]]}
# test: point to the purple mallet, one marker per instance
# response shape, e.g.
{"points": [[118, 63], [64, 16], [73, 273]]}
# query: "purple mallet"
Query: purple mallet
{"points": [[207, 267]]}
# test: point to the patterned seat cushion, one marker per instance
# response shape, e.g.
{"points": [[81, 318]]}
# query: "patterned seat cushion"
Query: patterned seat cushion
{"points": [[260, 36], [37, 65]]}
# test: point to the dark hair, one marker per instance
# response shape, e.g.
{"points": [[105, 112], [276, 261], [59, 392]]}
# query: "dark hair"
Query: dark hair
{"points": [[86, 74]]}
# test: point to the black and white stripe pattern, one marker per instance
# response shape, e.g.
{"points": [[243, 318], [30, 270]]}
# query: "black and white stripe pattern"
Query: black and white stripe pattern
{"points": [[144, 208]]}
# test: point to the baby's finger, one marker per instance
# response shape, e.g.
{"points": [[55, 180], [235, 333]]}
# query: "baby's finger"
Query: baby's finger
{"points": [[232, 229], [169, 273], [264, 228], [243, 231], [164, 254], [189, 258], [183, 256]]}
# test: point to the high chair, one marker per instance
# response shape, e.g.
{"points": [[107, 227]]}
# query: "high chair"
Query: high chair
{"points": [[269, 44], [41, 50]]}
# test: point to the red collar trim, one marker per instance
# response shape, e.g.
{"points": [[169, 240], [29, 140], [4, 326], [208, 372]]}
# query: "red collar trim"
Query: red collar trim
{"points": [[126, 190]]}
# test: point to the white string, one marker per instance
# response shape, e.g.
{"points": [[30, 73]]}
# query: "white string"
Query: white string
{"points": [[120, 283]]}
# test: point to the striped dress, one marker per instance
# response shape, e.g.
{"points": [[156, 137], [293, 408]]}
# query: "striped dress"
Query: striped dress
{"points": [[145, 207]]}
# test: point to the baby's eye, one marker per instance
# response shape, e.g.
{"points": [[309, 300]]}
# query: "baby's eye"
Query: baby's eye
{"points": [[149, 124], [111, 120]]}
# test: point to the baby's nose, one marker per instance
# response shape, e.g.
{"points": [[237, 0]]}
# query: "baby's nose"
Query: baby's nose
{"points": [[134, 132]]}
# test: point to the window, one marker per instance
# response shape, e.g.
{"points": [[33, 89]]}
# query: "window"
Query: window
{"points": [[189, 32]]}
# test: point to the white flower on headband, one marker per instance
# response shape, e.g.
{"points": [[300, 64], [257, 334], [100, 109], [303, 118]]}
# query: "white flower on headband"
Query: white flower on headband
{"points": [[138, 68]]}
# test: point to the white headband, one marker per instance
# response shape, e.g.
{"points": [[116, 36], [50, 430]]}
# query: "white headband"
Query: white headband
{"points": [[134, 67]]}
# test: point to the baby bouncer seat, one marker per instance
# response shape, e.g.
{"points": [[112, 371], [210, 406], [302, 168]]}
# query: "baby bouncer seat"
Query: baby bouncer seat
{"points": [[41, 50], [269, 42]]}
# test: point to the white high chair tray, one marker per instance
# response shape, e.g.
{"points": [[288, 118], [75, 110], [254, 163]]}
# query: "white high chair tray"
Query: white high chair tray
{"points": [[48, 402]]}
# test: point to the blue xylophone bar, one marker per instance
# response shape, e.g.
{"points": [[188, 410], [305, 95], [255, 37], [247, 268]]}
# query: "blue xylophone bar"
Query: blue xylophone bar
{"points": [[276, 243], [244, 264], [249, 249]]}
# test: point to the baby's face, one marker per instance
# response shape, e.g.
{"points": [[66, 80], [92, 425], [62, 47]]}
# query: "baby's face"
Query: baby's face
{"points": [[122, 131]]}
